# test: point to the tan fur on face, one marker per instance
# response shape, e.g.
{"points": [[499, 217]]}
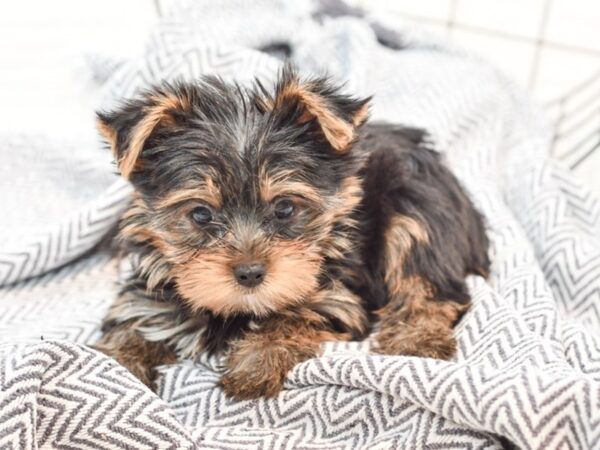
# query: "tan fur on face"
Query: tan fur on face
{"points": [[207, 281], [334, 209], [346, 200], [154, 115], [281, 184], [339, 211], [136, 227], [206, 192]]}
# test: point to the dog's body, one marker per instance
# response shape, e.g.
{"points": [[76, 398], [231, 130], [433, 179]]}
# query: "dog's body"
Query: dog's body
{"points": [[265, 224]]}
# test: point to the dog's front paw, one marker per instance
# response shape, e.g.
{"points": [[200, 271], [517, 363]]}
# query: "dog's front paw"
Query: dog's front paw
{"points": [[251, 384], [426, 342], [255, 372], [258, 367]]}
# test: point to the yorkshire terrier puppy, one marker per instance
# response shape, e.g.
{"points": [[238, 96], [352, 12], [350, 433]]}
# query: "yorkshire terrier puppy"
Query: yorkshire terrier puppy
{"points": [[267, 221]]}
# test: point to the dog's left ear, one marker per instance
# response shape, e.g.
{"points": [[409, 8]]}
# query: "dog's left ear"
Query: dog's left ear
{"points": [[338, 116], [129, 127]]}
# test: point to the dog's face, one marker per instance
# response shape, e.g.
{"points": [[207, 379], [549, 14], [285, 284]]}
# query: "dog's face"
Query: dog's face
{"points": [[237, 191]]}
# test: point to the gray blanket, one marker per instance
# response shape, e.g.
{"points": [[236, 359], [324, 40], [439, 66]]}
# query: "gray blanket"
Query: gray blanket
{"points": [[528, 368]]}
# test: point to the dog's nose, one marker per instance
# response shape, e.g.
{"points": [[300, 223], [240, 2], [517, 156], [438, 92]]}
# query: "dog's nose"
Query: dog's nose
{"points": [[249, 274]]}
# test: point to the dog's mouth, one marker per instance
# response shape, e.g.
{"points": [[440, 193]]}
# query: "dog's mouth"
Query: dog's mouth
{"points": [[270, 279], [217, 290], [259, 301], [252, 302]]}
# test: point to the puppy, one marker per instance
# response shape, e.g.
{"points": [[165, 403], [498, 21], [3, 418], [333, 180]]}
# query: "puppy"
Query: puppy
{"points": [[267, 221]]}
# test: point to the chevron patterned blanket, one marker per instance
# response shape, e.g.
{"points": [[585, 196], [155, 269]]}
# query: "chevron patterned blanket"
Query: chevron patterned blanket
{"points": [[528, 370]]}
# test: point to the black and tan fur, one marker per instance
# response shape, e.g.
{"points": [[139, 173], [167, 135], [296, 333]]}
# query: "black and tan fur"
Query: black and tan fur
{"points": [[379, 230]]}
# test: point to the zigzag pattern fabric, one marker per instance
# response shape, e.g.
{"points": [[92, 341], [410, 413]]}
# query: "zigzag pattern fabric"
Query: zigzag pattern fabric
{"points": [[527, 374]]}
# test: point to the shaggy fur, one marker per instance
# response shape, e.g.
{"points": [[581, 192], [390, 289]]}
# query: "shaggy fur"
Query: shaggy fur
{"points": [[341, 224]]}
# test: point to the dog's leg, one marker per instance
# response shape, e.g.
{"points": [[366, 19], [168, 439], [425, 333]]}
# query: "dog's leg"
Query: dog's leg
{"points": [[131, 350], [258, 363], [415, 323], [418, 318]]}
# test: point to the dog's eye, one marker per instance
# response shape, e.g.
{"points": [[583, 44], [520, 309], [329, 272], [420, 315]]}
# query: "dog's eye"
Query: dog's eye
{"points": [[284, 208], [201, 215]]}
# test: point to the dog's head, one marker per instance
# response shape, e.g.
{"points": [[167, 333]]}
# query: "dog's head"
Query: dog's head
{"points": [[238, 191]]}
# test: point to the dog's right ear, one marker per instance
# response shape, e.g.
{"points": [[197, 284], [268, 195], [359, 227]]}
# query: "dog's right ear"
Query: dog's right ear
{"points": [[129, 127]]}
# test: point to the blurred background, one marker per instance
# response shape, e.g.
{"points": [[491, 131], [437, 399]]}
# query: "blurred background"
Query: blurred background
{"points": [[550, 47]]}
